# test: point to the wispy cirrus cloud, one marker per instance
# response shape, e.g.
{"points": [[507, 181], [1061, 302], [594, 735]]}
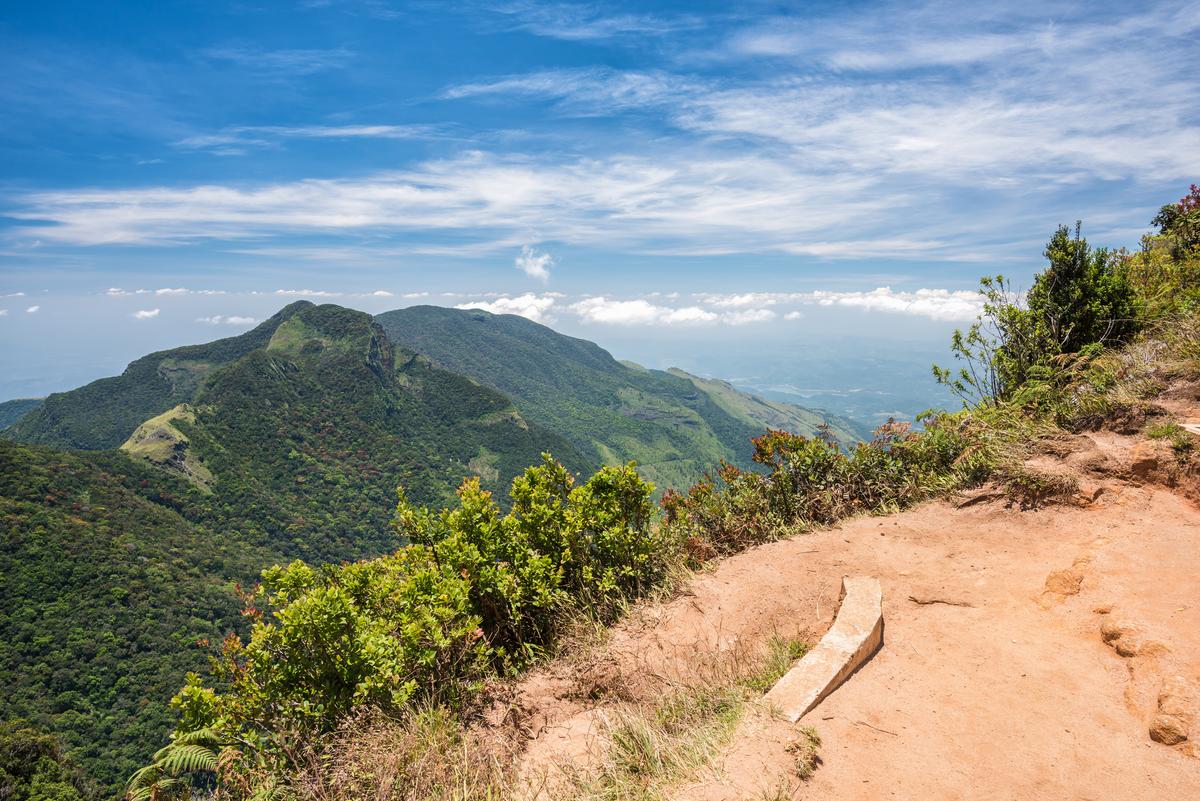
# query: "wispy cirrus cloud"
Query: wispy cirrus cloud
{"points": [[588, 21], [284, 63], [941, 153], [237, 140]]}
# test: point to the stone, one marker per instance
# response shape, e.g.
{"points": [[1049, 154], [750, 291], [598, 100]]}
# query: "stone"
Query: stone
{"points": [[856, 635], [1167, 729]]}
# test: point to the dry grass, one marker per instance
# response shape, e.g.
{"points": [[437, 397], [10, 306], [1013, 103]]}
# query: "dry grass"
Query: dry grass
{"points": [[429, 756], [646, 749]]}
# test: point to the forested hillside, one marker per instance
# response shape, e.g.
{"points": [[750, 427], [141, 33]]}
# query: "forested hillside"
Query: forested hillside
{"points": [[674, 429], [300, 430], [108, 585], [13, 410]]}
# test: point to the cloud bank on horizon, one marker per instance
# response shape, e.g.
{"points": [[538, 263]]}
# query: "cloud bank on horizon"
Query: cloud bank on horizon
{"points": [[863, 158]]}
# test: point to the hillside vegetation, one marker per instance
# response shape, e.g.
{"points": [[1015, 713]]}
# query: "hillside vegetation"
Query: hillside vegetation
{"points": [[114, 565], [675, 427], [108, 585], [13, 410], [412, 637]]}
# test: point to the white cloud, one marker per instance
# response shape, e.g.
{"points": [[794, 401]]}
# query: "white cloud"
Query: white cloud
{"points": [[794, 315], [169, 291], [218, 319], [936, 304], [33, 309], [638, 312], [3, 312], [529, 305], [414, 295], [235, 140], [943, 143], [116, 292], [381, 293], [13, 295], [534, 264], [740, 300], [145, 314], [282, 63], [307, 293]]}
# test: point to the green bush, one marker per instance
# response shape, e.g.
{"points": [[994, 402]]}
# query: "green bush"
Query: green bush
{"points": [[811, 481], [1084, 300], [475, 593]]}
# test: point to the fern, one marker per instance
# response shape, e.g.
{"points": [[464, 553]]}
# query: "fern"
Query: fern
{"points": [[165, 779]]}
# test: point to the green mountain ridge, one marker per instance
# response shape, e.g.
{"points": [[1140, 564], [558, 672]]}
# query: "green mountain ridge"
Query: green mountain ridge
{"points": [[104, 413], [673, 426], [13, 410], [774, 414], [302, 428]]}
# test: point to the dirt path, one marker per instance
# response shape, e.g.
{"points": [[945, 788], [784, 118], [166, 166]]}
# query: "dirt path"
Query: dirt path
{"points": [[994, 681]]}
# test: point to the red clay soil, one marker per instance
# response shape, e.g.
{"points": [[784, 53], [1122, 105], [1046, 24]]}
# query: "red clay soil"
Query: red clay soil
{"points": [[1028, 654]]}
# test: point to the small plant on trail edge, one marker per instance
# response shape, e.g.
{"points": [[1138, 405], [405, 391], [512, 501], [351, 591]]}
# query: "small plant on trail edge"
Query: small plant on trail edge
{"points": [[1182, 442], [805, 749]]}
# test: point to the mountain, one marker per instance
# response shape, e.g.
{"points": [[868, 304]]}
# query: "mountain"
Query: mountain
{"points": [[104, 413], [773, 414], [13, 410], [301, 430], [199, 466], [611, 412]]}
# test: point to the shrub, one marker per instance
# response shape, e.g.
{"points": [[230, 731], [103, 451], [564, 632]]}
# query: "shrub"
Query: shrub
{"points": [[810, 481], [475, 593]]}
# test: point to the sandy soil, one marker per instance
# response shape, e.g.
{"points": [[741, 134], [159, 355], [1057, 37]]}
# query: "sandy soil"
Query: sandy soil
{"points": [[995, 680]]}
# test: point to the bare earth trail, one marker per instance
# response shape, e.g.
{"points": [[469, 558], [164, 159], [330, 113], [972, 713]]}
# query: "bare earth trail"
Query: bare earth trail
{"points": [[995, 680]]}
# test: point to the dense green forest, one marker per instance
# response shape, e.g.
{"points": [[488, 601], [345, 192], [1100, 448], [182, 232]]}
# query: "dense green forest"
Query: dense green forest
{"points": [[673, 427], [109, 586], [115, 564]]}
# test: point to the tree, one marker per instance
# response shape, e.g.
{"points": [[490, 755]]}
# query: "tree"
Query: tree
{"points": [[1083, 297], [33, 767], [1180, 222], [998, 352]]}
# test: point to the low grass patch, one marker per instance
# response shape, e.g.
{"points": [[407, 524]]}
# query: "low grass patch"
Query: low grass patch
{"points": [[652, 748]]}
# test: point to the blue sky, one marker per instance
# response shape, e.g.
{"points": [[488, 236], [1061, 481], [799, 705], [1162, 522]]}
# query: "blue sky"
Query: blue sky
{"points": [[661, 178]]}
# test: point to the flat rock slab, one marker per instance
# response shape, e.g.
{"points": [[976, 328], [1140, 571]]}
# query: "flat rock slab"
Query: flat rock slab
{"points": [[856, 635]]}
